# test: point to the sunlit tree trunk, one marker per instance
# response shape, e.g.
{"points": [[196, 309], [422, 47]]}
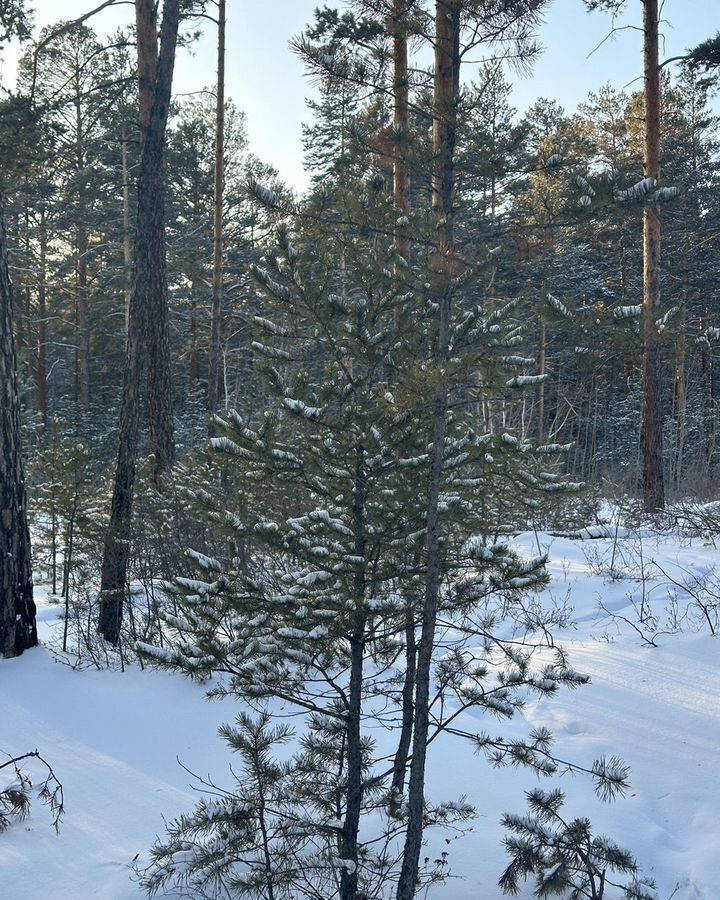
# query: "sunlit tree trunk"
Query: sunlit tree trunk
{"points": [[149, 283], [651, 431], [542, 348]]}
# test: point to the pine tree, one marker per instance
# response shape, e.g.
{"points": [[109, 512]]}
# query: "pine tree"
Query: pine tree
{"points": [[17, 607], [18, 631], [564, 856], [309, 603], [149, 301]]}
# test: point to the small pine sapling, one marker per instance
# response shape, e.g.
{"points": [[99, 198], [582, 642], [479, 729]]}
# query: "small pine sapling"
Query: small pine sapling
{"points": [[564, 857]]}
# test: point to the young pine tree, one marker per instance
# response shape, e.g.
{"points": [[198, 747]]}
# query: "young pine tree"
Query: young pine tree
{"points": [[308, 607]]}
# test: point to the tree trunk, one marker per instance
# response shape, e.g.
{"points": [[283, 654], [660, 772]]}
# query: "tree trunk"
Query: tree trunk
{"points": [[127, 237], [17, 607], [214, 373], [82, 245], [149, 282], [147, 62], [160, 396], [408, 711], [353, 808], [41, 371], [680, 406], [542, 339], [401, 131], [82, 325], [160, 405], [194, 366], [651, 433], [706, 368], [447, 79], [401, 201], [26, 313]]}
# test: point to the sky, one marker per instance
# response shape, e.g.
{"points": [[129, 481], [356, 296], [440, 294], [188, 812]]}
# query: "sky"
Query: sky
{"points": [[266, 80]]}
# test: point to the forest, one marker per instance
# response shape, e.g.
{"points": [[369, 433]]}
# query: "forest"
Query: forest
{"points": [[415, 469]]}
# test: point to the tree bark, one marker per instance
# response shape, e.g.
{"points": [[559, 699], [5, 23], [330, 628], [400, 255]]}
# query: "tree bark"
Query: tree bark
{"points": [[82, 246], [82, 325], [408, 711], [401, 202], [214, 371], [147, 62], [149, 282], [651, 431], [401, 130], [542, 339], [446, 87], [17, 607], [41, 370], [127, 237], [160, 401], [353, 807]]}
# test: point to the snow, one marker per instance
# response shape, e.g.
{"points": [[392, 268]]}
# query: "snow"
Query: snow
{"points": [[297, 406], [525, 380], [114, 738], [628, 312], [637, 191]]}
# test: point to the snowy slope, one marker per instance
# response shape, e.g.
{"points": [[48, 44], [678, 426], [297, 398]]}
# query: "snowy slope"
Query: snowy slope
{"points": [[113, 739]]}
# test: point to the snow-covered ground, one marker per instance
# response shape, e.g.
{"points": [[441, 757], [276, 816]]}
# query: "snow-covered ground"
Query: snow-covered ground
{"points": [[115, 738]]}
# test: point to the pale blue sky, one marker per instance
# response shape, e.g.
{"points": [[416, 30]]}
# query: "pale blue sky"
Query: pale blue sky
{"points": [[266, 80]]}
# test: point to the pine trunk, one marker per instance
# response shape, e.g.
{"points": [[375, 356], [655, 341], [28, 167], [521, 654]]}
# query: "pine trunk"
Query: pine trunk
{"points": [[541, 371], [401, 128], [41, 370], [149, 282], [214, 374], [127, 237], [82, 245], [17, 608], [651, 432], [353, 809], [401, 200], [160, 404], [82, 324], [446, 87]]}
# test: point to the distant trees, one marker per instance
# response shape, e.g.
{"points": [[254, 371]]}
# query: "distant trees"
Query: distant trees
{"points": [[15, 20], [652, 414], [71, 219], [550, 194], [82, 87]]}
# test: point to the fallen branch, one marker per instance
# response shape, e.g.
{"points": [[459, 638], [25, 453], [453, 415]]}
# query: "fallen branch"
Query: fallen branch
{"points": [[14, 799]]}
